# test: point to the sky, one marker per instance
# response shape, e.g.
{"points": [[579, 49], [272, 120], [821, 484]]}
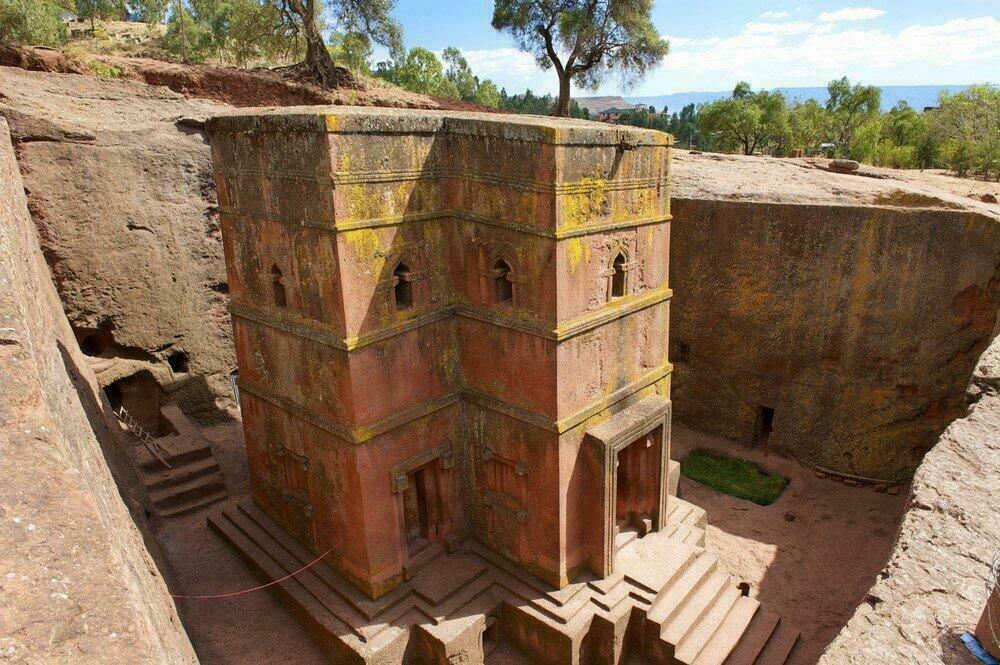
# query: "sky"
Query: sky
{"points": [[716, 43]]}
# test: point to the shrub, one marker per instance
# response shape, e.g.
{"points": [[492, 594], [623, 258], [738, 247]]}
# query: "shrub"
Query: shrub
{"points": [[105, 70], [32, 22]]}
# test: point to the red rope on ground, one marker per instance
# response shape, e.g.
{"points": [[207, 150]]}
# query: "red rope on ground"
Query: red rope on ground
{"points": [[217, 596]]}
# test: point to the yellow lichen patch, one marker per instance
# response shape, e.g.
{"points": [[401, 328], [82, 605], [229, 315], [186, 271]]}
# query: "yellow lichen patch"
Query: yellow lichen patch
{"points": [[332, 122], [577, 251], [367, 246], [579, 208], [449, 361]]}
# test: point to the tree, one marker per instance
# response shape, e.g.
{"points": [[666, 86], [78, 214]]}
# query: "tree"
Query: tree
{"points": [[353, 50], [487, 94], [809, 126], [748, 121], [360, 17], [33, 22], [460, 74], [237, 31], [93, 9], [417, 70], [584, 40], [684, 125], [850, 107], [969, 125]]}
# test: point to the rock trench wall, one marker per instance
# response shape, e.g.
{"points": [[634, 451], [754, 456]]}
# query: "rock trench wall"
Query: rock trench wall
{"points": [[120, 187], [936, 582], [858, 325], [78, 583]]}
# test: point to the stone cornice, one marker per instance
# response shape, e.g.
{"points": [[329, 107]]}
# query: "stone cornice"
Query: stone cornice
{"points": [[317, 332], [346, 120], [444, 214], [440, 173], [360, 434]]}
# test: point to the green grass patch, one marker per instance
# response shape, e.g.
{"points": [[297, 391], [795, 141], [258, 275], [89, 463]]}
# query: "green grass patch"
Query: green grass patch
{"points": [[733, 476]]}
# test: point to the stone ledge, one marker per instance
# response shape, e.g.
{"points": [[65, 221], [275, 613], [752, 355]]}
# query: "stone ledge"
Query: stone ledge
{"points": [[375, 120]]}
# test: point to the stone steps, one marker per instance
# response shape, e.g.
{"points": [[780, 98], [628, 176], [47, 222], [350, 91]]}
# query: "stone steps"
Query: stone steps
{"points": [[191, 482], [725, 637], [702, 618], [691, 611]]}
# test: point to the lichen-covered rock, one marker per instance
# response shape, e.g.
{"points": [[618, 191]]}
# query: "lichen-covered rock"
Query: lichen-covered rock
{"points": [[937, 580], [76, 581]]}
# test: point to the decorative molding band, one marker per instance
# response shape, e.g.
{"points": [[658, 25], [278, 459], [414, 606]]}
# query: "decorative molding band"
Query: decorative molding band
{"points": [[365, 177], [443, 214], [575, 419], [323, 177], [572, 328], [354, 435], [359, 435], [580, 325], [373, 176], [314, 331], [646, 380], [286, 323], [561, 233]]}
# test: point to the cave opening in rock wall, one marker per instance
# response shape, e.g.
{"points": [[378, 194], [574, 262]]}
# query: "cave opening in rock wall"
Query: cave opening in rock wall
{"points": [[763, 427], [96, 342], [179, 362], [141, 397]]}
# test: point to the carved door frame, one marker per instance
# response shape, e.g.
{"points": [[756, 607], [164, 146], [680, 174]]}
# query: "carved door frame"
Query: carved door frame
{"points": [[611, 438]]}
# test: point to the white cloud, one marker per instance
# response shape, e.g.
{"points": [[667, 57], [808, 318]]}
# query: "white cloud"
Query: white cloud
{"points": [[505, 64], [956, 51], [851, 14], [772, 14], [794, 28], [793, 53]]}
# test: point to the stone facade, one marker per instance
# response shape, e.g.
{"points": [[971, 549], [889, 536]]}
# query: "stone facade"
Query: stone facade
{"points": [[432, 314], [452, 339]]}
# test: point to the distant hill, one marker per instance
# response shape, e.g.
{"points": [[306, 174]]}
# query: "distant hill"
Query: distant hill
{"points": [[597, 104], [917, 96]]}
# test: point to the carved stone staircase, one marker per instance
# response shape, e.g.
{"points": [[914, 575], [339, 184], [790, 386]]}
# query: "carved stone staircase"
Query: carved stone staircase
{"points": [[668, 601], [190, 480]]}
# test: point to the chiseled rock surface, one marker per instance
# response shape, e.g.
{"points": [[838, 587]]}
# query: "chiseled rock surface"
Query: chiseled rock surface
{"points": [[854, 306], [76, 582], [934, 586], [120, 186]]}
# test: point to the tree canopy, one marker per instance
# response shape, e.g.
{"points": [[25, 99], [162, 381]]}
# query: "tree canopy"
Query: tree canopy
{"points": [[849, 107], [584, 40], [748, 121]]}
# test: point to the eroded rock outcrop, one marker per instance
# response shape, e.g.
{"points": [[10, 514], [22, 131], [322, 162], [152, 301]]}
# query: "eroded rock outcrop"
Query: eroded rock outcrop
{"points": [[119, 181], [76, 581], [936, 582]]}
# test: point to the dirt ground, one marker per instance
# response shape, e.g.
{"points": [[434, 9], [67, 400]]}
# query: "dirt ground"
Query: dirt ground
{"points": [[253, 628], [811, 556]]}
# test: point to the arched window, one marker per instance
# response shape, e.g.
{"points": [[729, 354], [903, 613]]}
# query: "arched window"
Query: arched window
{"points": [[278, 287], [503, 289], [618, 276], [402, 286]]}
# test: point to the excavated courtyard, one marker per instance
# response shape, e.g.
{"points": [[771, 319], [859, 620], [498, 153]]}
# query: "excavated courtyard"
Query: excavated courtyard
{"points": [[812, 554], [94, 154]]}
